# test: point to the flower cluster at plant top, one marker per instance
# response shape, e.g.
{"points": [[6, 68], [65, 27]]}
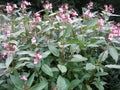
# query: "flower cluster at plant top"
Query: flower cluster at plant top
{"points": [[36, 46]]}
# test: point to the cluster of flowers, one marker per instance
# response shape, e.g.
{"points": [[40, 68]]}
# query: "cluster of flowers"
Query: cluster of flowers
{"points": [[64, 13], [115, 32]]}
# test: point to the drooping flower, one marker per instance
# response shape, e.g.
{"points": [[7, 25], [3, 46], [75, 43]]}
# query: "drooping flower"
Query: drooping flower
{"points": [[110, 37], [9, 8], [33, 40], [15, 47], [73, 13], [23, 78], [47, 5], [15, 6], [37, 58], [100, 23], [109, 8], [90, 5], [88, 14], [6, 45], [24, 4], [37, 17]]}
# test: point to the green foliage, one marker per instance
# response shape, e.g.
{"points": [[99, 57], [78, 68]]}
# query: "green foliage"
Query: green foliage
{"points": [[53, 52]]}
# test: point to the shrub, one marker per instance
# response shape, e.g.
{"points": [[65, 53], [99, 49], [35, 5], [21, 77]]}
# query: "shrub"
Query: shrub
{"points": [[58, 51]]}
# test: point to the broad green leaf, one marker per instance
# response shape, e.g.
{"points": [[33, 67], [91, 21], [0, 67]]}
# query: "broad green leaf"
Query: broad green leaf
{"points": [[45, 54], [78, 58], [92, 22], [40, 86], [17, 82], [88, 87], [1, 81], [24, 59], [61, 83], [17, 33], [46, 69], [101, 74], [8, 60], [2, 65], [13, 42], [89, 66], [30, 53], [113, 52], [103, 56], [30, 80], [113, 66], [53, 50], [74, 83], [62, 68], [21, 65]]}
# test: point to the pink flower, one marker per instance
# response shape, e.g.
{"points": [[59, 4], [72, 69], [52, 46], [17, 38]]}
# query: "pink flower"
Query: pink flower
{"points": [[61, 15], [47, 6], [88, 14], [23, 78], [37, 17], [9, 8], [15, 47], [15, 6], [109, 8], [6, 45], [61, 10], [100, 23], [68, 19], [111, 36], [90, 5], [37, 58], [66, 7], [7, 32], [4, 54], [24, 4], [74, 13], [33, 40]]}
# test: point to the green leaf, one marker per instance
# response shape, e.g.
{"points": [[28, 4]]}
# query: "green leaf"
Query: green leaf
{"points": [[74, 83], [103, 56], [89, 66], [45, 54], [30, 80], [113, 66], [92, 22], [16, 34], [40, 86], [78, 58], [21, 65], [61, 83], [17, 82], [30, 53], [53, 50], [8, 61], [2, 65], [47, 70], [88, 87], [113, 52], [62, 68]]}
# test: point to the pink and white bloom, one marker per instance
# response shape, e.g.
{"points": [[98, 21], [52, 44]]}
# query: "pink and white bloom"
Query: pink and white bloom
{"points": [[74, 13], [24, 4], [90, 5], [33, 40], [15, 6], [37, 17], [37, 58], [23, 78], [9, 8], [15, 48], [100, 23], [47, 6], [6, 45], [110, 37], [88, 14], [109, 8]]}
